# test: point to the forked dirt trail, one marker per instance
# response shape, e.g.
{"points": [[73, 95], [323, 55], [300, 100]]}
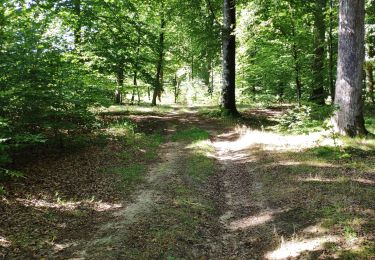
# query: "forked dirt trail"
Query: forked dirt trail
{"points": [[245, 210], [216, 190]]}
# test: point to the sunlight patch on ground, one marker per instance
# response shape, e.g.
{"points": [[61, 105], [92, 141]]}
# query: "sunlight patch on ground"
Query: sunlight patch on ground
{"points": [[69, 206], [307, 163], [4, 242], [59, 247], [203, 147], [315, 229], [245, 138], [341, 179], [256, 220], [295, 248]]}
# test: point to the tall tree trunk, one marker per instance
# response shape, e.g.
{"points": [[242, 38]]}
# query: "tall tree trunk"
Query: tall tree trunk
{"points": [[207, 72], [332, 86], [228, 95], [211, 88], [120, 83], [78, 25], [159, 70], [176, 85], [318, 95], [349, 120], [2, 26], [135, 85]]}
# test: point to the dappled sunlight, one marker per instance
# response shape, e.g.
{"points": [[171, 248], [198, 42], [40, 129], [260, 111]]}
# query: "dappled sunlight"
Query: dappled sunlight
{"points": [[60, 247], [203, 147], [315, 229], [295, 248], [336, 180], [69, 206], [320, 179], [4, 242], [243, 138], [307, 163], [252, 221]]}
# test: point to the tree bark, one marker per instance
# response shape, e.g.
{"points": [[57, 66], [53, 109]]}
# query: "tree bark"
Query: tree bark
{"points": [[135, 85], [228, 95], [120, 83], [318, 93], [159, 70], [348, 119]]}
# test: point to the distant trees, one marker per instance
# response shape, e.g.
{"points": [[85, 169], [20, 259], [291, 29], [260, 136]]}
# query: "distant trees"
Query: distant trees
{"points": [[349, 117]]}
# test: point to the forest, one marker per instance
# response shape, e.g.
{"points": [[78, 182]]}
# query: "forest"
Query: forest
{"points": [[187, 129]]}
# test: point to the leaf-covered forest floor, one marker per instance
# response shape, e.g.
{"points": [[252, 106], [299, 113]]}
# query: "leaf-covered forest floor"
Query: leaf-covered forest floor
{"points": [[180, 183]]}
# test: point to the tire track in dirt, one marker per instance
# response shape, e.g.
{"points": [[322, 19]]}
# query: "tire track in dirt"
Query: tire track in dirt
{"points": [[245, 213], [108, 242]]}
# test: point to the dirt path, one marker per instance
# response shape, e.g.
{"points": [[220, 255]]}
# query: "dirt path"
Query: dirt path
{"points": [[239, 194], [242, 223], [108, 243]]}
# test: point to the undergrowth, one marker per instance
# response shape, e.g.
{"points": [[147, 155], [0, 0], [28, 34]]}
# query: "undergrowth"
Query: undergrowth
{"points": [[192, 134]]}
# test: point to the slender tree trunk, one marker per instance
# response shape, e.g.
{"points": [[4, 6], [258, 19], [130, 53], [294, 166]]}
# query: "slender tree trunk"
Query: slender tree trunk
{"points": [[228, 95], [211, 91], [135, 85], [318, 95], [207, 72], [78, 25], [332, 86], [159, 70], [349, 120], [297, 72], [176, 85], [2, 26], [120, 83]]}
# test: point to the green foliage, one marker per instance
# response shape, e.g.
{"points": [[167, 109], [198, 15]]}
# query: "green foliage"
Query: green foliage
{"points": [[331, 153], [305, 119], [47, 90], [370, 118]]}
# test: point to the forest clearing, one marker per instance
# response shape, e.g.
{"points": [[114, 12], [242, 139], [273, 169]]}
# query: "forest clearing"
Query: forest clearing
{"points": [[200, 129]]}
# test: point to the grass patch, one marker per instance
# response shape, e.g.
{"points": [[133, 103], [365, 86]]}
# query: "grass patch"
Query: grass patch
{"points": [[120, 110], [140, 146], [200, 167], [191, 135], [140, 150], [131, 174]]}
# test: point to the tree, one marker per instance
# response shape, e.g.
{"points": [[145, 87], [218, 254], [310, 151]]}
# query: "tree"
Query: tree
{"points": [[318, 95], [348, 119], [228, 99], [158, 88]]}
